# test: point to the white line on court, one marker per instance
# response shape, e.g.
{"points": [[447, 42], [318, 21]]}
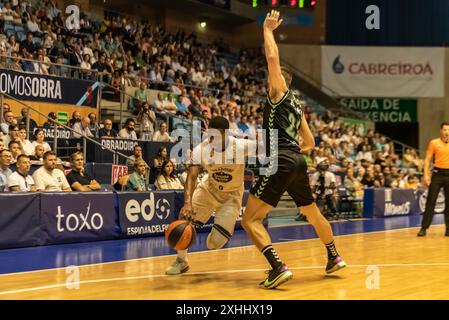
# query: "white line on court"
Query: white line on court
{"points": [[206, 251], [61, 285]]}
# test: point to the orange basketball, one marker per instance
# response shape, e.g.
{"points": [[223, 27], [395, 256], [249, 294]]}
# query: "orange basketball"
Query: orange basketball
{"points": [[180, 234]]}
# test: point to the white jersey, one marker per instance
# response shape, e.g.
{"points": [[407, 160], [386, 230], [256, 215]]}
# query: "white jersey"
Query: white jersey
{"points": [[225, 169]]}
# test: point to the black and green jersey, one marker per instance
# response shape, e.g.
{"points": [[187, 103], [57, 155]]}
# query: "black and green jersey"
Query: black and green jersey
{"points": [[285, 116]]}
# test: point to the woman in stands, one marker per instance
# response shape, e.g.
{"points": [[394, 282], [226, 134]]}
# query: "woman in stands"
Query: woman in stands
{"points": [[167, 179], [40, 140]]}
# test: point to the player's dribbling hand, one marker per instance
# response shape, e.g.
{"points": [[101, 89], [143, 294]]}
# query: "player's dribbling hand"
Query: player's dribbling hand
{"points": [[272, 20], [187, 213]]}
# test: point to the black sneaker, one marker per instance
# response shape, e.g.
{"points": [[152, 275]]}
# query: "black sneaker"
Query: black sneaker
{"points": [[276, 277], [422, 232], [447, 233]]}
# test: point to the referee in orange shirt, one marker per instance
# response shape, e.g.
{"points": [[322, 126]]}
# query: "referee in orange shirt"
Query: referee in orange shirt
{"points": [[440, 178]]}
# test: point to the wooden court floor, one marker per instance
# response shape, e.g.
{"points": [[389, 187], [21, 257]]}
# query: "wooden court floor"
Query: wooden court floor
{"points": [[391, 264]]}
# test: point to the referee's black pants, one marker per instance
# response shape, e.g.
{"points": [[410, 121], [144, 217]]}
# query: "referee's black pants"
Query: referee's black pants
{"points": [[440, 179]]}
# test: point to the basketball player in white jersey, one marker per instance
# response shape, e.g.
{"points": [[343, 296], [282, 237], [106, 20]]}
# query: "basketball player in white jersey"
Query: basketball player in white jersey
{"points": [[220, 190]]}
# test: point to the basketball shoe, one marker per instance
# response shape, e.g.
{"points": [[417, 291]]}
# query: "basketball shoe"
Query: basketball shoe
{"points": [[335, 265], [276, 277], [178, 266]]}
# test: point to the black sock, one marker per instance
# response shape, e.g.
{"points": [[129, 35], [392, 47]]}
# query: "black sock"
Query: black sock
{"points": [[331, 250], [272, 257]]}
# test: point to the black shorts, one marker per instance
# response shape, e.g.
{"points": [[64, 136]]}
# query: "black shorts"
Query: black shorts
{"points": [[291, 176]]}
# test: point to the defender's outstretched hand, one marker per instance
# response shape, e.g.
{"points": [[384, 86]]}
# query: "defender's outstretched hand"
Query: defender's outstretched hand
{"points": [[272, 20]]}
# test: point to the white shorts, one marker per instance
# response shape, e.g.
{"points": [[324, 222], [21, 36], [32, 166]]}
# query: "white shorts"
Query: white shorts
{"points": [[227, 206]]}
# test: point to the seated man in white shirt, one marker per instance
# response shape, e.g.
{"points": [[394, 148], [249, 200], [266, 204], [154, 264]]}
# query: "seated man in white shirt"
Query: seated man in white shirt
{"points": [[48, 177], [128, 131], [21, 181], [82, 128]]}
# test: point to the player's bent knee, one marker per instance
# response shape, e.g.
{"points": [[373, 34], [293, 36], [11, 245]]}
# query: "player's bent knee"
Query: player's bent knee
{"points": [[218, 237]]}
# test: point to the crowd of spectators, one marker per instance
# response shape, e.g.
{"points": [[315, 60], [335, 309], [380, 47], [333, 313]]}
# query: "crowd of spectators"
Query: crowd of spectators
{"points": [[199, 83]]}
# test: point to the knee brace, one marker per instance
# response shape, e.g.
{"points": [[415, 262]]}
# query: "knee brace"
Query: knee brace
{"points": [[218, 237]]}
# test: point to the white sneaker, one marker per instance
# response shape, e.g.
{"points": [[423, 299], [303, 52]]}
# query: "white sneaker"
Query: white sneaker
{"points": [[178, 266]]}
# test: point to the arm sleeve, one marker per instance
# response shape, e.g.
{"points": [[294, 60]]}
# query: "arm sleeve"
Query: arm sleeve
{"points": [[65, 183], [430, 149], [12, 181]]}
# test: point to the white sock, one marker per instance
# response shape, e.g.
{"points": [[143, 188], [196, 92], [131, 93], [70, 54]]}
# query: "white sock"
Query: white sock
{"points": [[182, 254]]}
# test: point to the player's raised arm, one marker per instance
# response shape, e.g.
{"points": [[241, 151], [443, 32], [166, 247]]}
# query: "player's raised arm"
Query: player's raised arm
{"points": [[276, 82]]}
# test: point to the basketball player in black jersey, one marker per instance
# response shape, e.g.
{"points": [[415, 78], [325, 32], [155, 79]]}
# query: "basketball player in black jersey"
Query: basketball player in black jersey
{"points": [[284, 113]]}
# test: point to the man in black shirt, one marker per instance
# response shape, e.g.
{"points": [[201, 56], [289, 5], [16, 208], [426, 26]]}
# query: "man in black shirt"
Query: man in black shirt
{"points": [[28, 45], [107, 131], [78, 180]]}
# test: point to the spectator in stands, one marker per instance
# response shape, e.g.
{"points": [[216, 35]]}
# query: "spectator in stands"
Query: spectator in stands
{"points": [[103, 69], [5, 171], [76, 56], [82, 128], [353, 185], [162, 135], [93, 125], [107, 131], [49, 124], [33, 26], [169, 105], [21, 180], [16, 150], [161, 156], [182, 109], [85, 65], [48, 177], [140, 97], [194, 108], [14, 64], [28, 46], [58, 69], [137, 154], [76, 117], [158, 105], [25, 144], [13, 134], [77, 178], [136, 181], [23, 120], [28, 64], [147, 119], [9, 119], [39, 137], [368, 178], [38, 154], [167, 180], [127, 132]]}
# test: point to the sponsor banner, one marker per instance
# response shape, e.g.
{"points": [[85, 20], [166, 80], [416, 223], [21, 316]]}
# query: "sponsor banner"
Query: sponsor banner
{"points": [[117, 172], [49, 133], [100, 155], [382, 202], [422, 199], [384, 109], [145, 213], [45, 88], [383, 71], [19, 220], [77, 216]]}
